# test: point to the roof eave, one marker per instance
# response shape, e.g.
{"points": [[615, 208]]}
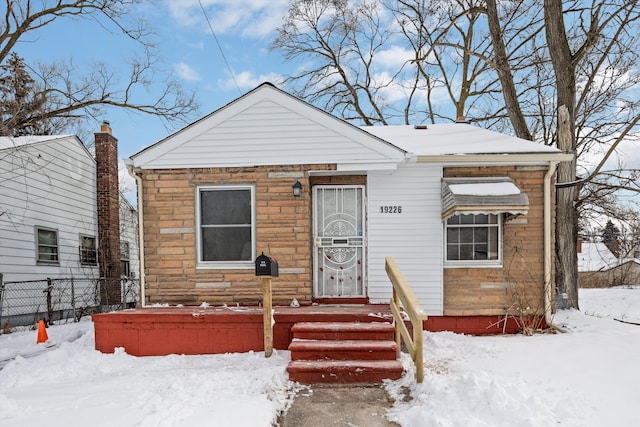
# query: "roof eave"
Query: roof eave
{"points": [[522, 158]]}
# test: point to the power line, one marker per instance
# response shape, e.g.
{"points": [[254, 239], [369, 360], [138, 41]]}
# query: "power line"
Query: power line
{"points": [[233, 76]]}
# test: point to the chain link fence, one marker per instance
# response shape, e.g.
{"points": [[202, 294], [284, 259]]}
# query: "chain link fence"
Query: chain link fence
{"points": [[24, 304]]}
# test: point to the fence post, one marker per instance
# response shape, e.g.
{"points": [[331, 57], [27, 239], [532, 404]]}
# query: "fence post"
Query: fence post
{"points": [[49, 305], [1, 295]]}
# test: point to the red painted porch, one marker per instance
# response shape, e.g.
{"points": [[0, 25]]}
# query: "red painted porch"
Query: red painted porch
{"points": [[156, 331]]}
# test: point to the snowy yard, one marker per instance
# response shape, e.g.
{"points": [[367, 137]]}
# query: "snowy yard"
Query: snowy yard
{"points": [[589, 376]]}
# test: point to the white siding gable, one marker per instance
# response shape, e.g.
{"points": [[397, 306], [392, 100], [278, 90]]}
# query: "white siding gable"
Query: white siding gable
{"points": [[267, 127], [49, 184], [412, 237]]}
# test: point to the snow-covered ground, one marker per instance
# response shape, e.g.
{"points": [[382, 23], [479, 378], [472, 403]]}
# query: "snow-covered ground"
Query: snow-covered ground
{"points": [[589, 376]]}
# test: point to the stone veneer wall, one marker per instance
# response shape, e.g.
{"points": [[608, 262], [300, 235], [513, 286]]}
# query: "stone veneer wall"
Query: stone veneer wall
{"points": [[283, 230], [493, 291]]}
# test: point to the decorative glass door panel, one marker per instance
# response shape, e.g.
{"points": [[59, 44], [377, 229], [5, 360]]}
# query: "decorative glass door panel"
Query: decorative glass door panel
{"points": [[339, 241]]}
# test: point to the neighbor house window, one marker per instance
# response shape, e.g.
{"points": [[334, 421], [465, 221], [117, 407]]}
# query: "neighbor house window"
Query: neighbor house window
{"points": [[47, 246], [473, 239], [88, 251], [125, 260], [226, 224]]}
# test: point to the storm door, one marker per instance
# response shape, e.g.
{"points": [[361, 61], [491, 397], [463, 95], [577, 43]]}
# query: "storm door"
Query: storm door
{"points": [[339, 241]]}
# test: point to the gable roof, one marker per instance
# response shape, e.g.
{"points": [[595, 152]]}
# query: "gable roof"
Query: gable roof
{"points": [[267, 126], [595, 257], [16, 142]]}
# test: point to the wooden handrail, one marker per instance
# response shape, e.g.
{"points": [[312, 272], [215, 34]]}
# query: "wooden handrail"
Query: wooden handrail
{"points": [[404, 297]]}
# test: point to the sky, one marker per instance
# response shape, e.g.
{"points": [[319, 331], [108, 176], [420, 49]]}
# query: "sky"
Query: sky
{"points": [[243, 31], [585, 377], [243, 28]]}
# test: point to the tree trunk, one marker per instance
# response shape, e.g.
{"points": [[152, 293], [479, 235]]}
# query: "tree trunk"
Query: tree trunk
{"points": [[566, 215]]}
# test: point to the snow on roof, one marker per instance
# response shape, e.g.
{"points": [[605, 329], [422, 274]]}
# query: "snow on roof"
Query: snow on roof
{"points": [[485, 189], [455, 138], [19, 141], [595, 257]]}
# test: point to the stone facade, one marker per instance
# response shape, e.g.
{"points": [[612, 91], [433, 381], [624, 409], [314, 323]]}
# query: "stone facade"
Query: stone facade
{"points": [[283, 231], [519, 284]]}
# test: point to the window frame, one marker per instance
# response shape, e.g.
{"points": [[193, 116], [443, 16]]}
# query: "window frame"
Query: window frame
{"points": [[470, 263], [40, 261], [240, 264], [83, 262]]}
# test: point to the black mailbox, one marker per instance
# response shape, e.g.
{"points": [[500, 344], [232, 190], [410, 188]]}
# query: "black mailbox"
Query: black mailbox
{"points": [[266, 266]]}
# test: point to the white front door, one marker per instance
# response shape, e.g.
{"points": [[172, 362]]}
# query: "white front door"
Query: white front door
{"points": [[339, 241]]}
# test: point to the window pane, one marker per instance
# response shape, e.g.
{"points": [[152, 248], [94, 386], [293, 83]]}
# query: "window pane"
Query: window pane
{"points": [[48, 253], [480, 252], [47, 237], [466, 219], [220, 207], [124, 250], [481, 219], [466, 235], [480, 234], [226, 244], [453, 235], [466, 252], [493, 243], [452, 252], [454, 220]]}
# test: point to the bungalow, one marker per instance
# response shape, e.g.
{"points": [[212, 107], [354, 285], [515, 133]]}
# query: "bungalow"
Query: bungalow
{"points": [[466, 213]]}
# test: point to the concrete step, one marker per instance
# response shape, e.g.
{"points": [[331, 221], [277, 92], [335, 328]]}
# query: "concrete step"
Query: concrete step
{"points": [[369, 331], [342, 350], [344, 371]]}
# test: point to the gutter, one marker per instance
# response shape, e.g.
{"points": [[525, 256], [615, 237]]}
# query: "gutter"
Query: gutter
{"points": [[496, 158], [130, 169], [548, 253]]}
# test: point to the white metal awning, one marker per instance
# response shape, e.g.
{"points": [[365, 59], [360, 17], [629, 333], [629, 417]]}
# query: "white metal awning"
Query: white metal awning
{"points": [[494, 195]]}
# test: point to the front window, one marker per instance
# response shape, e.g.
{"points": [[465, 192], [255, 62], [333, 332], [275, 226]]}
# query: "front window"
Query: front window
{"points": [[47, 246], [88, 253], [473, 239], [226, 224]]}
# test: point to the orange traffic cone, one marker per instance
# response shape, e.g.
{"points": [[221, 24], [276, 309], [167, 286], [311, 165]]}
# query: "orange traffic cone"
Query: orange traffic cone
{"points": [[42, 333]]}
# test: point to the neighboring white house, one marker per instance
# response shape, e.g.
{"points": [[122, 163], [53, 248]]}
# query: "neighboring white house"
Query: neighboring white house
{"points": [[49, 223]]}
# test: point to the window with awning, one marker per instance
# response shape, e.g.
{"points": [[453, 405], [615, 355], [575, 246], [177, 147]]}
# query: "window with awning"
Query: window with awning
{"points": [[496, 195]]}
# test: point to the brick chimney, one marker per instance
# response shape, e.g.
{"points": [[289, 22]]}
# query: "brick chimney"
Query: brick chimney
{"points": [[108, 201]]}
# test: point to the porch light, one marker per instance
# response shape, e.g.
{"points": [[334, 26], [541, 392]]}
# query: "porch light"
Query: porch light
{"points": [[297, 189]]}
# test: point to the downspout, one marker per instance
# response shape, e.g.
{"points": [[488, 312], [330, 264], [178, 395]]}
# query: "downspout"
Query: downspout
{"points": [[548, 253], [140, 233]]}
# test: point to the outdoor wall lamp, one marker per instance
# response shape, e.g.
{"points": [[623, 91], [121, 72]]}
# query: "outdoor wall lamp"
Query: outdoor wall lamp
{"points": [[297, 189]]}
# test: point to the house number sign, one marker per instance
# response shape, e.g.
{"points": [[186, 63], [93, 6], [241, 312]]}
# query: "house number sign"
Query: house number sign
{"points": [[391, 209]]}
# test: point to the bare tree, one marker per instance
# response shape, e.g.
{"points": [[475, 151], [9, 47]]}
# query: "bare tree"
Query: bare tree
{"points": [[338, 42], [74, 94]]}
